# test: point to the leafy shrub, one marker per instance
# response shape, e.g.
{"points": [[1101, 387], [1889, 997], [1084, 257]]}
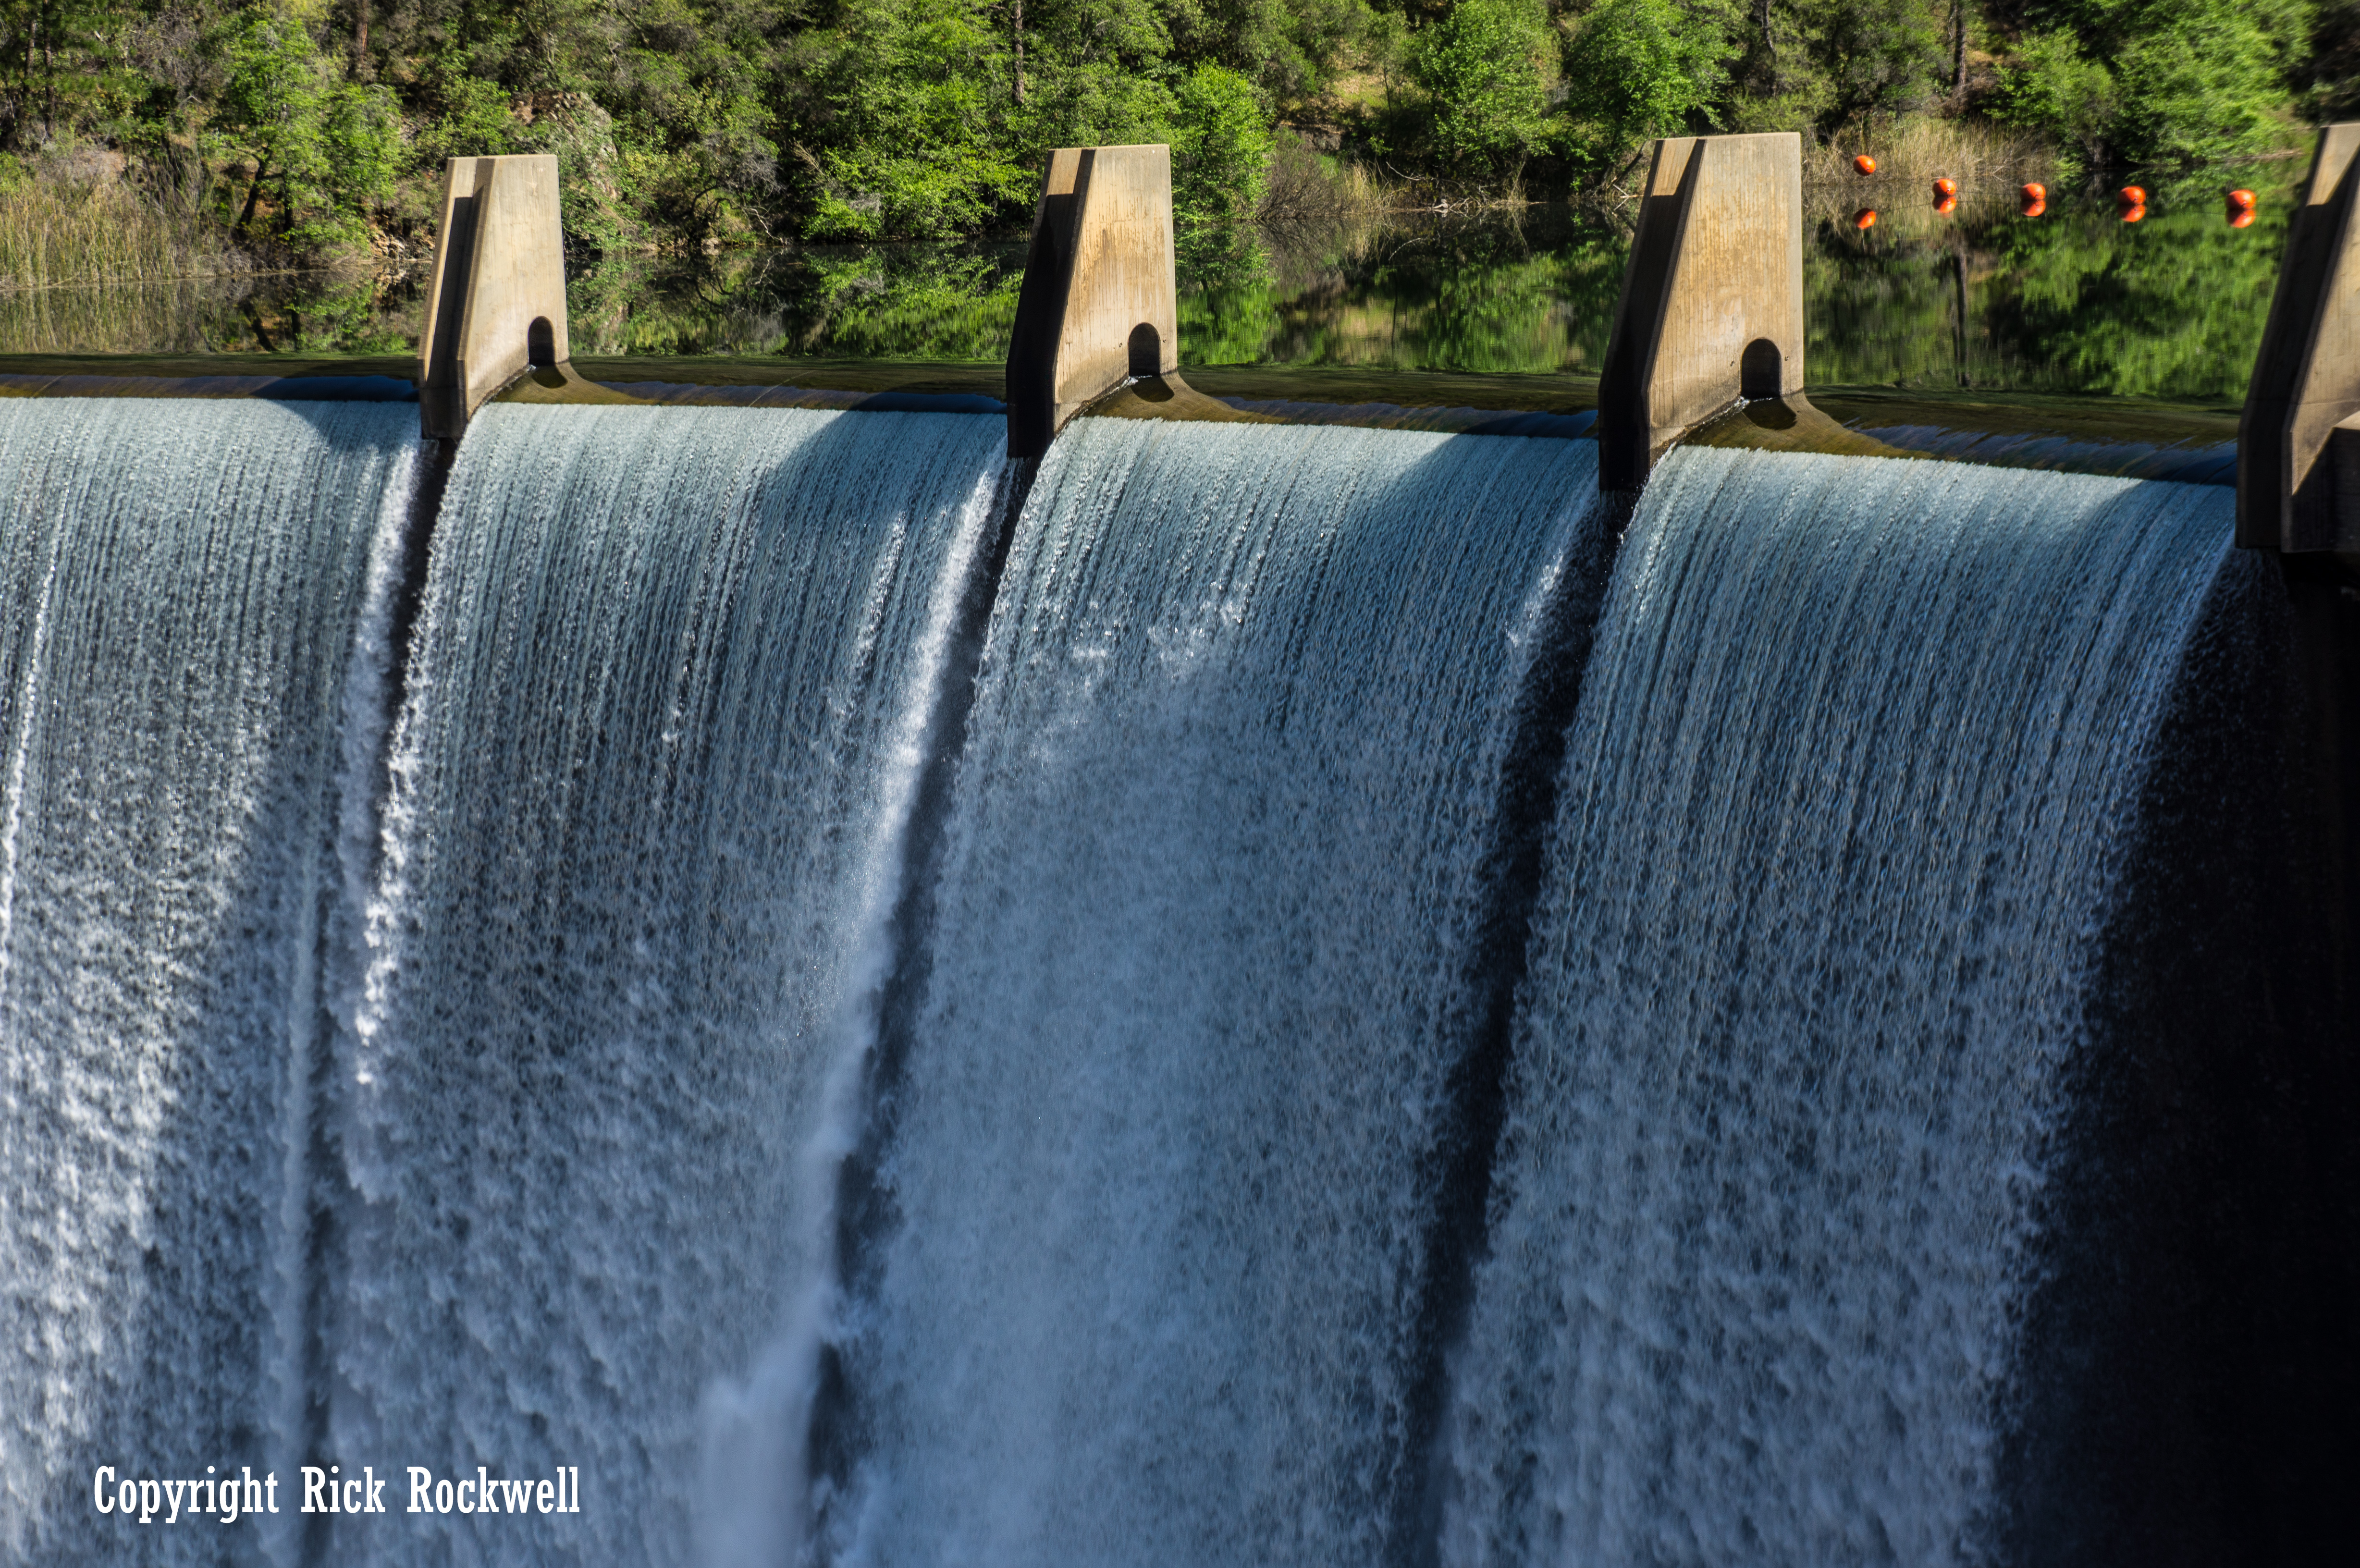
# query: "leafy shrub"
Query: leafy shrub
{"points": [[326, 152], [1479, 68], [1220, 148], [1639, 68], [2052, 86]]}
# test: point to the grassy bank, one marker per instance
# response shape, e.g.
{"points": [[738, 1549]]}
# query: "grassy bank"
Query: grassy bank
{"points": [[70, 234], [1922, 148]]}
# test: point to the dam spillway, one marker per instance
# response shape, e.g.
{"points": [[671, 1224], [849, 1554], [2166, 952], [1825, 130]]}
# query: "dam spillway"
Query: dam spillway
{"points": [[1400, 1027], [195, 617], [1205, 1034], [1852, 795], [648, 794]]}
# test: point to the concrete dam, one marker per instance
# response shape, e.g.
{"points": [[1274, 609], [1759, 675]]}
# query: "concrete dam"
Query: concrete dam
{"points": [[1112, 977]]}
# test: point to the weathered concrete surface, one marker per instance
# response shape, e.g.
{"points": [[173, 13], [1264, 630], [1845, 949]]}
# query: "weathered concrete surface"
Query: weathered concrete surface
{"points": [[1791, 424], [1712, 296], [1098, 303], [1167, 397], [496, 304], [2307, 377], [2343, 463], [561, 383]]}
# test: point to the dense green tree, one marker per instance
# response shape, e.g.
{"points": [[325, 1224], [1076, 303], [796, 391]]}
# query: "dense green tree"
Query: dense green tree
{"points": [[2331, 79], [2053, 85], [55, 67], [1481, 66], [1638, 69], [1292, 50], [1878, 60], [908, 131], [308, 124], [2159, 81], [1220, 147], [326, 150]]}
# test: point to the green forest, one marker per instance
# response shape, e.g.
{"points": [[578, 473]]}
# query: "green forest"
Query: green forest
{"points": [[318, 127]]}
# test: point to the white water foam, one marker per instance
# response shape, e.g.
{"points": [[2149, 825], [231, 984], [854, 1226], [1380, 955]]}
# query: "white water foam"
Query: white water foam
{"points": [[179, 586], [648, 791], [1163, 1161], [1856, 760]]}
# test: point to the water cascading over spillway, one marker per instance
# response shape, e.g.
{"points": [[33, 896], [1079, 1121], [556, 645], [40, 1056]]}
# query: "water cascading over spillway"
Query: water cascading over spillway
{"points": [[1299, 1021], [1151, 1270], [666, 707], [193, 602], [1845, 809]]}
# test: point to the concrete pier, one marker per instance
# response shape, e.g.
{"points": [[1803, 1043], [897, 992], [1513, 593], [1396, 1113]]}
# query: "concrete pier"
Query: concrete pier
{"points": [[496, 304], [1712, 296], [2295, 495], [1098, 304]]}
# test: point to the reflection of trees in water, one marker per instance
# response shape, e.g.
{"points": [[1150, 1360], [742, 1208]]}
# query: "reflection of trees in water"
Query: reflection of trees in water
{"points": [[313, 312], [1532, 292], [1475, 296], [2075, 301], [899, 302]]}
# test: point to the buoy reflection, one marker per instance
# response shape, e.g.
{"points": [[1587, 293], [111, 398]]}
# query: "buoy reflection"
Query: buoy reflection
{"points": [[1947, 204], [1865, 219], [2133, 213]]}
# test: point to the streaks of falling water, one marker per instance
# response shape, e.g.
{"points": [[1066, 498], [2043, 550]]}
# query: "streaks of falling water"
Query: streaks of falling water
{"points": [[1146, 1283], [180, 594], [1856, 759], [643, 830]]}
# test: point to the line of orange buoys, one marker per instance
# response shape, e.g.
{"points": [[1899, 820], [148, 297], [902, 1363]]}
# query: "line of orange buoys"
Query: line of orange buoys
{"points": [[2132, 199]]}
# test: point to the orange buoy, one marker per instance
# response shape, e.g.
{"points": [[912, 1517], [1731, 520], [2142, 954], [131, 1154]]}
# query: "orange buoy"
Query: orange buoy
{"points": [[2240, 218], [2242, 200], [1865, 219], [2033, 206], [2133, 213], [2036, 192], [2132, 196], [1946, 187], [1864, 163], [1947, 204]]}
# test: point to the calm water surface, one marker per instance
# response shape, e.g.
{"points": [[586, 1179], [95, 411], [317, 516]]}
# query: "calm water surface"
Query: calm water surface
{"points": [[2072, 300]]}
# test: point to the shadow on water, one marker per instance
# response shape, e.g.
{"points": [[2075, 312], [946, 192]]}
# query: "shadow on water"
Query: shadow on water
{"points": [[1453, 1165], [1465, 1151], [865, 1212], [2188, 1377]]}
